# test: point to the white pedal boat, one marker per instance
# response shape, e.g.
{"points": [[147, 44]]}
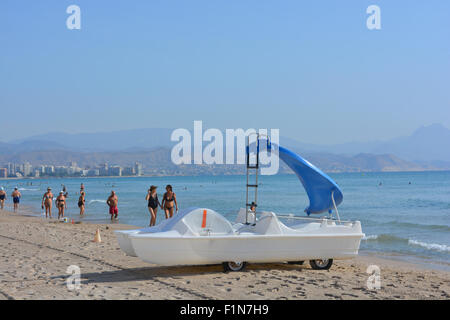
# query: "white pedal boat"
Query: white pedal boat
{"points": [[199, 236]]}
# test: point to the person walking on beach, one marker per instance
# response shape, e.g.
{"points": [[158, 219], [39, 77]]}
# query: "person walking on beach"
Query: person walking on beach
{"points": [[2, 197], [81, 203], [16, 198], [169, 199], [61, 204], [112, 202], [153, 203], [47, 201]]}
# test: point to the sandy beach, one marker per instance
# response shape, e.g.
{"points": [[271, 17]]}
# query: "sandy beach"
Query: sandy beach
{"points": [[35, 254]]}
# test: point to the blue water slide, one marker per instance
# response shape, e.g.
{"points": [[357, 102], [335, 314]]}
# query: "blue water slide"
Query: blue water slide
{"points": [[319, 186]]}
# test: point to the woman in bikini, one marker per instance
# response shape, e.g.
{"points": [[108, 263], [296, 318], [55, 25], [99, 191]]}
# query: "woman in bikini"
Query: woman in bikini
{"points": [[81, 202], [47, 202], [153, 203], [61, 204], [169, 199]]}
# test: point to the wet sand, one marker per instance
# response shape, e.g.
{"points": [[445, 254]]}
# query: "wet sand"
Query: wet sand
{"points": [[35, 254]]}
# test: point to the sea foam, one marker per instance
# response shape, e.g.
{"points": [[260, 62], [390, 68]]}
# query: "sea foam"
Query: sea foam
{"points": [[430, 246], [96, 200]]}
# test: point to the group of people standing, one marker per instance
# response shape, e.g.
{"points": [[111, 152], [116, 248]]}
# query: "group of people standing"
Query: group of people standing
{"points": [[15, 196], [168, 204], [60, 202]]}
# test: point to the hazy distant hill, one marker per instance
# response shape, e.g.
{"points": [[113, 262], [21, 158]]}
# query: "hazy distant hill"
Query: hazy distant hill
{"points": [[362, 162], [426, 144], [106, 141], [428, 148], [29, 145]]}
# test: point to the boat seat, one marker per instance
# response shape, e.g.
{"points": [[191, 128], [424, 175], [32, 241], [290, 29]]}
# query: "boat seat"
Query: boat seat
{"points": [[204, 222], [241, 216], [268, 224]]}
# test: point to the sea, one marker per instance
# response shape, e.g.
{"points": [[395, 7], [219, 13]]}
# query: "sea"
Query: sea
{"points": [[404, 215]]}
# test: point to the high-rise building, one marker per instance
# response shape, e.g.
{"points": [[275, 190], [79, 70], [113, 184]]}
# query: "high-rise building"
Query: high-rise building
{"points": [[61, 171], [138, 169], [93, 172], [3, 172], [103, 169], [26, 169], [128, 171], [115, 171], [49, 170], [9, 168]]}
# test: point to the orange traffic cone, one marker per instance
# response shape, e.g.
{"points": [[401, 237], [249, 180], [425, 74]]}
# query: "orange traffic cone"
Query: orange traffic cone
{"points": [[97, 237]]}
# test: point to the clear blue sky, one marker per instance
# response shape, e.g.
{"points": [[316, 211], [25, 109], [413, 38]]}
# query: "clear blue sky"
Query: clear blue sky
{"points": [[310, 68]]}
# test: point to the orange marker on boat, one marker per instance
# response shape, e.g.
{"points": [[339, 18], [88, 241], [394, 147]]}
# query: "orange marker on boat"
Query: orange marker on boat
{"points": [[204, 219]]}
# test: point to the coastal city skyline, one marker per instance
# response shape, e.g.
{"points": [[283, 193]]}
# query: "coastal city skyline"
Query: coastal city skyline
{"points": [[27, 170]]}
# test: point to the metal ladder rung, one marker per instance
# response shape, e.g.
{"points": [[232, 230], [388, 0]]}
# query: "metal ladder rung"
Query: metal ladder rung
{"points": [[253, 166]]}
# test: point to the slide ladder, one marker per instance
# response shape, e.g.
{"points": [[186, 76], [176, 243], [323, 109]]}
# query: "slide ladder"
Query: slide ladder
{"points": [[252, 176]]}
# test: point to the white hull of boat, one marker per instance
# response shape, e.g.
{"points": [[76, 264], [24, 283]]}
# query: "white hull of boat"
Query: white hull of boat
{"points": [[123, 237], [253, 248], [183, 240]]}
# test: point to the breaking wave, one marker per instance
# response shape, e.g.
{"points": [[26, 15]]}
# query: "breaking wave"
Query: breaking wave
{"points": [[430, 246], [437, 227], [96, 201], [25, 189]]}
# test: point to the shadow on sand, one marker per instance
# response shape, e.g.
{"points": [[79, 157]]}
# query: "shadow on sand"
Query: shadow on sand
{"points": [[150, 273]]}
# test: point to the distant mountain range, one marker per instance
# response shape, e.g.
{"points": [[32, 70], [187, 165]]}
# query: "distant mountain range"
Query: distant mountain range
{"points": [[427, 143], [428, 148], [137, 139]]}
